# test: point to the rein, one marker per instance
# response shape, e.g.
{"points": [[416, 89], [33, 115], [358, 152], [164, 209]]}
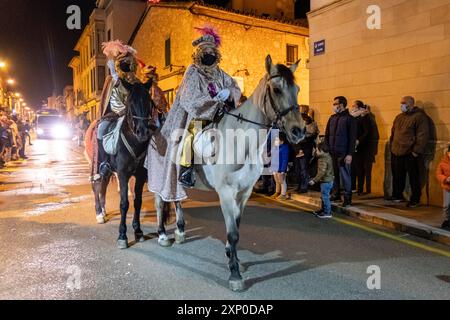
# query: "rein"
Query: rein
{"points": [[279, 115], [129, 120]]}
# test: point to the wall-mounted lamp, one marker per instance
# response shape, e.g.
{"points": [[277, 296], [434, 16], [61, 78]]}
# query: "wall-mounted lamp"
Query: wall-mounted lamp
{"points": [[245, 71], [171, 66]]}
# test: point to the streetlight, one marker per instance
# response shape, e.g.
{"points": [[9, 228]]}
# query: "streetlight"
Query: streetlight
{"points": [[2, 65], [18, 95], [10, 81]]}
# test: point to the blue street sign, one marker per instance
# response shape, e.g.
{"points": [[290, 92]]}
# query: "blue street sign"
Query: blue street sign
{"points": [[319, 47]]}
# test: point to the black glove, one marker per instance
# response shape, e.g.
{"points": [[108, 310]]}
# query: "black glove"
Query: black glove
{"points": [[230, 105], [219, 115]]}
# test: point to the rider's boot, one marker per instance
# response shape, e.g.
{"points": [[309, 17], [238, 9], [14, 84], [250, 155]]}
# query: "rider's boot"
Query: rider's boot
{"points": [[187, 176]]}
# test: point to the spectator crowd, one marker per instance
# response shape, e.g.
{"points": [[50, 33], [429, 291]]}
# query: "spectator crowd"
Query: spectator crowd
{"points": [[14, 135], [339, 163]]}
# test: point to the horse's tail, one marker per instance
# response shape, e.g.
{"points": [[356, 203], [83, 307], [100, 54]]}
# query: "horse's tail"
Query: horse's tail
{"points": [[166, 212]]}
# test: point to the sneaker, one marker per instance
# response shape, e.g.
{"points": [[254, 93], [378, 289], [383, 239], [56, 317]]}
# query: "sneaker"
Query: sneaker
{"points": [[347, 203], [275, 195], [324, 215], [318, 212], [446, 225], [335, 198], [282, 197], [413, 204], [395, 200]]}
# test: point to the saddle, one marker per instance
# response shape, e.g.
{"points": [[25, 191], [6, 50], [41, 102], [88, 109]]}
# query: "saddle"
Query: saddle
{"points": [[205, 142]]}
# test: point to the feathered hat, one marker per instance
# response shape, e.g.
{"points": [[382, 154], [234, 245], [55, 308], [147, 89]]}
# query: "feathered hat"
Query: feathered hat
{"points": [[209, 36], [113, 49]]}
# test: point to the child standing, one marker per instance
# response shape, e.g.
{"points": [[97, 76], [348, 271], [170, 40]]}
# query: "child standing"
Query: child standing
{"points": [[279, 165], [325, 177], [443, 175]]}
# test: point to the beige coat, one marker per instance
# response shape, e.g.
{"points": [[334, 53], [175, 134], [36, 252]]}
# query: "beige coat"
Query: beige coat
{"points": [[193, 101]]}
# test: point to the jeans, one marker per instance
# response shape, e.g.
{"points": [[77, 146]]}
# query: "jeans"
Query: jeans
{"points": [[22, 149], [342, 171], [400, 167], [325, 189], [446, 205]]}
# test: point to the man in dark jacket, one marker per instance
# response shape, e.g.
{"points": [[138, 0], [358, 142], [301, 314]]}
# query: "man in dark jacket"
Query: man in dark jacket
{"points": [[340, 136], [366, 147], [409, 138]]}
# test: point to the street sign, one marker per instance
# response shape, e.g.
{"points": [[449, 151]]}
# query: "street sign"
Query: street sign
{"points": [[319, 47]]}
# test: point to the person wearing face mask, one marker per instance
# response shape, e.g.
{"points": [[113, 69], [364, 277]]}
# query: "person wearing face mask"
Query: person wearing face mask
{"points": [[123, 66], [366, 147], [408, 141], [203, 93], [340, 136], [443, 176], [304, 150]]}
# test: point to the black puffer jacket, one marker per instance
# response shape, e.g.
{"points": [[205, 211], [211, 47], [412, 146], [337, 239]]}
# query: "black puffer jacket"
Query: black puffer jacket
{"points": [[341, 134]]}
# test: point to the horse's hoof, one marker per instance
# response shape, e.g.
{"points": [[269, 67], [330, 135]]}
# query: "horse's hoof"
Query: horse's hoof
{"points": [[101, 219], [164, 241], [139, 237], [122, 244], [237, 285], [180, 238]]}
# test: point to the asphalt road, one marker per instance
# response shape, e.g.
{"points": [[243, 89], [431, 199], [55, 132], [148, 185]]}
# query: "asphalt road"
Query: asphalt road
{"points": [[52, 248]]}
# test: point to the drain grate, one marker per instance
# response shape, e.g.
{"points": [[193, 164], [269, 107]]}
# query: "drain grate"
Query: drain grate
{"points": [[444, 278]]}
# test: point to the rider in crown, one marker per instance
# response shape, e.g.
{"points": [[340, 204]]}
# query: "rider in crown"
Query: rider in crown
{"points": [[123, 66], [213, 84], [202, 94]]}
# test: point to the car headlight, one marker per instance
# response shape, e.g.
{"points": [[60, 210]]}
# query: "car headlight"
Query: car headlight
{"points": [[60, 132], [39, 131]]}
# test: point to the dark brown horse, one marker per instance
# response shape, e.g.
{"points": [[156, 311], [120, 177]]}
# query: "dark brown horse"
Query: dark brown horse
{"points": [[136, 132]]}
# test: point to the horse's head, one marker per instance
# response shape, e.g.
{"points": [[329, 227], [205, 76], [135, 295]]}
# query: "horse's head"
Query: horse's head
{"points": [[282, 94], [139, 110]]}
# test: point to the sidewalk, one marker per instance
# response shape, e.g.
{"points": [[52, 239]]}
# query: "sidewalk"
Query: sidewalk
{"points": [[422, 222]]}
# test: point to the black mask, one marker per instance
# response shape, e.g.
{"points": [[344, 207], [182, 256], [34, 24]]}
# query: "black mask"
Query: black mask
{"points": [[209, 59], [125, 66]]}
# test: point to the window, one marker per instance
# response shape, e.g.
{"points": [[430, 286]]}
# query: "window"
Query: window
{"points": [[101, 77], [291, 54], [109, 35], [100, 40], [167, 53]]}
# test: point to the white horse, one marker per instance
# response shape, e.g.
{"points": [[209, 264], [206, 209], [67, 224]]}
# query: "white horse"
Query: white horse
{"points": [[274, 103]]}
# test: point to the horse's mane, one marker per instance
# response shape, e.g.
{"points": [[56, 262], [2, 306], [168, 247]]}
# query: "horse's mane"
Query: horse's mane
{"points": [[139, 92], [286, 74]]}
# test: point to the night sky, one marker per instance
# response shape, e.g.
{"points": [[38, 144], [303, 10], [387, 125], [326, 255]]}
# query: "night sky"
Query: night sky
{"points": [[37, 45]]}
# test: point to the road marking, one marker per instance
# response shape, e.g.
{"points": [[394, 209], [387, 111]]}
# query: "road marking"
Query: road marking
{"points": [[397, 238]]}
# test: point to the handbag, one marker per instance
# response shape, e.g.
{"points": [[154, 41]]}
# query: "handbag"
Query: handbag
{"points": [[111, 139]]}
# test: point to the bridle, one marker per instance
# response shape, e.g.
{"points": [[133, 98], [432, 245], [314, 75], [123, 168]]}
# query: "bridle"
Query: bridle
{"points": [[130, 123], [130, 117], [280, 115]]}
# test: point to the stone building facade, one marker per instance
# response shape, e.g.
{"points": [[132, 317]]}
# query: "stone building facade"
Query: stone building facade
{"points": [[164, 38], [408, 55]]}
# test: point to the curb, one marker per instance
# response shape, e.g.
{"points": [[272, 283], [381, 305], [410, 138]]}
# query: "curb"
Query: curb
{"points": [[389, 221]]}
